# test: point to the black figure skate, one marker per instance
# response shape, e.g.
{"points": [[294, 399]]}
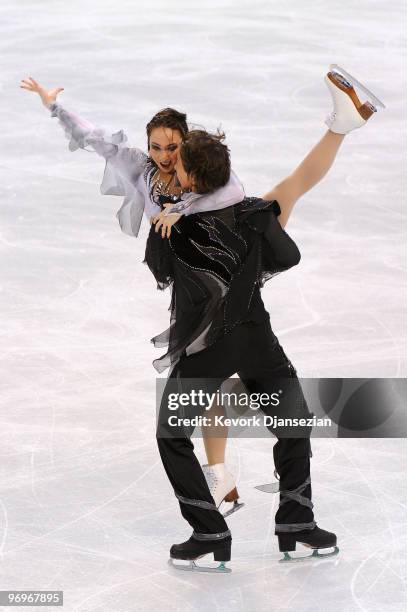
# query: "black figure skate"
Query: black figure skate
{"points": [[317, 539], [200, 545]]}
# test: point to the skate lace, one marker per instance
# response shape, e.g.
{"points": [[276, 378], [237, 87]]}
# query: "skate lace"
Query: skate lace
{"points": [[212, 481]]}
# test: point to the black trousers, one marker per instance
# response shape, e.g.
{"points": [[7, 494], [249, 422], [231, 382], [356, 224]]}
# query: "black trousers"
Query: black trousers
{"points": [[253, 352]]}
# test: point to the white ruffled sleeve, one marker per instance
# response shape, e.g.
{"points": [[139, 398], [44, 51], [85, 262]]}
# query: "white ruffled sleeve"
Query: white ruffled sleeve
{"points": [[124, 164]]}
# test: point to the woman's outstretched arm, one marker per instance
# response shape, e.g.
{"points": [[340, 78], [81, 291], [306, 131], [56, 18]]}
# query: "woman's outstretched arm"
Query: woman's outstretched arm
{"points": [[310, 171], [82, 133], [124, 165]]}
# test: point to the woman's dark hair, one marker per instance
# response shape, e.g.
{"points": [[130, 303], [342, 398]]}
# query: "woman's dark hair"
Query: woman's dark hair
{"points": [[169, 118], [206, 159]]}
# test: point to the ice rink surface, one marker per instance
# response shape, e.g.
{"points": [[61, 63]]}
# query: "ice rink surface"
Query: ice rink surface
{"points": [[85, 505]]}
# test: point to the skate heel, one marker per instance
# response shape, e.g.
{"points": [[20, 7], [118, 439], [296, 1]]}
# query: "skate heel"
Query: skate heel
{"points": [[286, 542], [343, 85], [349, 113], [350, 81], [232, 496], [223, 554], [367, 110]]}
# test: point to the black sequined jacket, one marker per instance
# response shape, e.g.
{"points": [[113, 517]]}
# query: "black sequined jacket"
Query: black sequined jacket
{"points": [[215, 263]]}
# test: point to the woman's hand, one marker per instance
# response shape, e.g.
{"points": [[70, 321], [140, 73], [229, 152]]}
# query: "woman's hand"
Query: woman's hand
{"points": [[165, 222], [47, 97]]}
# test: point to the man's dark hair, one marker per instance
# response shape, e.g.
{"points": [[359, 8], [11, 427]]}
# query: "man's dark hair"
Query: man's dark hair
{"points": [[168, 118], [206, 159]]}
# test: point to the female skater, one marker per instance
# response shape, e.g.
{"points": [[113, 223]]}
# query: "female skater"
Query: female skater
{"points": [[218, 261], [148, 183]]}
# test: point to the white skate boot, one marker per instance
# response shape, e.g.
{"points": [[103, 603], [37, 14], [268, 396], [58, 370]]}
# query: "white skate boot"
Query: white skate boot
{"points": [[349, 113], [222, 486]]}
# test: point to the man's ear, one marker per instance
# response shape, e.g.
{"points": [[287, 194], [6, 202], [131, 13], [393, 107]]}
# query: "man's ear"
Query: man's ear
{"points": [[192, 180]]}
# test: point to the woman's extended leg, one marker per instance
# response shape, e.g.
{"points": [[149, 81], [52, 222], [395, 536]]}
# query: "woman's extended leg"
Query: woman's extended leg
{"points": [[310, 171], [318, 161]]}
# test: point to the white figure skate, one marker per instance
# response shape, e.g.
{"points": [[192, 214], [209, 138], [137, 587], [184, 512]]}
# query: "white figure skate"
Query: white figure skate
{"points": [[349, 113], [222, 486]]}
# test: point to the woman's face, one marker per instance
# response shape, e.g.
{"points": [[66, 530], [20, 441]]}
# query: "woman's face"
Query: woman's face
{"points": [[164, 146]]}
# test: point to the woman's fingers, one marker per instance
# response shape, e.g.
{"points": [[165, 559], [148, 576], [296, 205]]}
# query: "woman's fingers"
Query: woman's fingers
{"points": [[164, 222], [158, 224], [159, 217], [156, 217], [27, 85], [164, 225], [30, 84]]}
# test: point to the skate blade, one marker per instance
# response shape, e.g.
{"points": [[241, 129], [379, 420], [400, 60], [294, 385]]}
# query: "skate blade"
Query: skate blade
{"points": [[273, 487], [315, 555], [236, 506], [354, 81], [193, 567]]}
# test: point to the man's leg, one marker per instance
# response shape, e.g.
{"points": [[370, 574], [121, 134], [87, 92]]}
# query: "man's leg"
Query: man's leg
{"points": [[294, 518], [182, 466], [268, 370], [209, 368]]}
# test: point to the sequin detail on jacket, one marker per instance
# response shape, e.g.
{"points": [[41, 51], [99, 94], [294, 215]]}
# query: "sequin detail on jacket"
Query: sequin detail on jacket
{"points": [[214, 262]]}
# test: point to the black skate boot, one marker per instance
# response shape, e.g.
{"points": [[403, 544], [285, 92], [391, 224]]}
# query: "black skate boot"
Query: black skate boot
{"points": [[313, 538], [199, 545]]}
